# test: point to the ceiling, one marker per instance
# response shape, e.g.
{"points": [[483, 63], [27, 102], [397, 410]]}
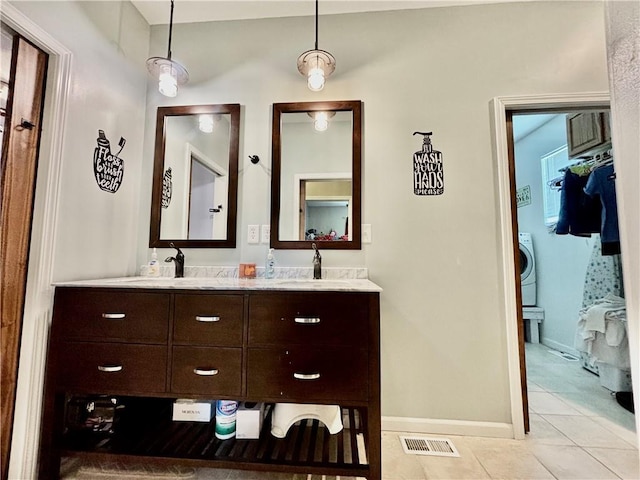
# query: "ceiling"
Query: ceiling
{"points": [[188, 11]]}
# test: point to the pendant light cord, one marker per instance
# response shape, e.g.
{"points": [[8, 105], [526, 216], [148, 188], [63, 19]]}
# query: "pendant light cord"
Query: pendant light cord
{"points": [[170, 31], [316, 24]]}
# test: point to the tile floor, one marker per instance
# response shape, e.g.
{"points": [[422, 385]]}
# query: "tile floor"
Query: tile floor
{"points": [[578, 431]]}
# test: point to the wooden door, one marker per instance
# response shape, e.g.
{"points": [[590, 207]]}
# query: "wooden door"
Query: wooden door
{"points": [[17, 188], [516, 255]]}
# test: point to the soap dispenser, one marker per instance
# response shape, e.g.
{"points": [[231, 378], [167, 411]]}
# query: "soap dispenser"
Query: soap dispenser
{"points": [[317, 263], [270, 266], [153, 269]]}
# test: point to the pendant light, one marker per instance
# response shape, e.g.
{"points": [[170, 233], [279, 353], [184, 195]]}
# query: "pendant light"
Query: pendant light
{"points": [[169, 73], [321, 119], [205, 123], [317, 65]]}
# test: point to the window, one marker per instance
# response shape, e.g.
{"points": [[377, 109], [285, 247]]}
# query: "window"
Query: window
{"points": [[552, 163]]}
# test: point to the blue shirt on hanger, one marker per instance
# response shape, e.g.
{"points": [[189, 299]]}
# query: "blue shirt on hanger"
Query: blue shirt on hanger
{"points": [[602, 182]]}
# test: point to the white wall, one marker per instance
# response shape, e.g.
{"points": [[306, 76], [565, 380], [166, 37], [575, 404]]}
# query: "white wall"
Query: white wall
{"points": [[443, 338], [561, 260]]}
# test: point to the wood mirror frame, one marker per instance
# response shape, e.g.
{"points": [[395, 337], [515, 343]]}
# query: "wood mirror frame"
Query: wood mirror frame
{"points": [[355, 107], [164, 113]]}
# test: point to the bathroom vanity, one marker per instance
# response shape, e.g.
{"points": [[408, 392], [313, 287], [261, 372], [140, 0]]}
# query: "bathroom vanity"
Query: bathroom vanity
{"points": [[146, 342]]}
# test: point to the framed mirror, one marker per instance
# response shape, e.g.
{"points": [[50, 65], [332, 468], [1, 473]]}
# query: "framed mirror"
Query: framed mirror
{"points": [[316, 175], [195, 176]]}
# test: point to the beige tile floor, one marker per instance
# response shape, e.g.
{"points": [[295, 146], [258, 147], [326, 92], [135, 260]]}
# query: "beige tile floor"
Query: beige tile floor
{"points": [[578, 431]]}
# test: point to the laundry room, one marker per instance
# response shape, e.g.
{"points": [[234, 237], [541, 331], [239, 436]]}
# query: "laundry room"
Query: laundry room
{"points": [[570, 264]]}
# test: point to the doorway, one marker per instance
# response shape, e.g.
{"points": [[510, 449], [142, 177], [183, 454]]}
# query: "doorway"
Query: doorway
{"points": [[38, 295], [573, 270], [21, 126], [202, 202]]}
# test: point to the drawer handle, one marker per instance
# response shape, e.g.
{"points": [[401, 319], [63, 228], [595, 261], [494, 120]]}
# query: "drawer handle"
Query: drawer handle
{"points": [[114, 316], [306, 376], [307, 320], [204, 318], [110, 368], [205, 372]]}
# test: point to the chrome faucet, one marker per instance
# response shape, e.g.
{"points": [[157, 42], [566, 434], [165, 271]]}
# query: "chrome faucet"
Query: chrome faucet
{"points": [[178, 260], [317, 263]]}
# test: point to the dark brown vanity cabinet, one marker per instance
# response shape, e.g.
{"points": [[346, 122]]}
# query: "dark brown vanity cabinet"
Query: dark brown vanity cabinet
{"points": [[148, 347]]}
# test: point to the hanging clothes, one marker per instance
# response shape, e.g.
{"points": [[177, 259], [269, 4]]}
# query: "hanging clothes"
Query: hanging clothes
{"points": [[601, 184], [579, 213]]}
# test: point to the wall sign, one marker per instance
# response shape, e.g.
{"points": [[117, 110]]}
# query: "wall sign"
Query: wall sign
{"points": [[428, 172], [107, 167], [167, 189], [523, 196]]}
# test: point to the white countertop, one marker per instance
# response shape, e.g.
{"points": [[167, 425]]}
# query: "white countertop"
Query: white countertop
{"points": [[212, 283]]}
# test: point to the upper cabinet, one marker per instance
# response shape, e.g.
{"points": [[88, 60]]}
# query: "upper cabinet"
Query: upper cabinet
{"points": [[195, 176], [587, 131], [316, 180]]}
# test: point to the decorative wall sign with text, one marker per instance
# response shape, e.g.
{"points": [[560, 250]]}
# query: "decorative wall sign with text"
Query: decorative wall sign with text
{"points": [[523, 196], [107, 167], [428, 171], [167, 189]]}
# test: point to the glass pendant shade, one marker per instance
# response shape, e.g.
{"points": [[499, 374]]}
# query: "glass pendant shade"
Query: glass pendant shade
{"points": [[317, 65], [169, 73]]}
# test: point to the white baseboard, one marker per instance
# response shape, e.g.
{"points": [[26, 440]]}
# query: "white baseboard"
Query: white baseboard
{"points": [[447, 427], [560, 346]]}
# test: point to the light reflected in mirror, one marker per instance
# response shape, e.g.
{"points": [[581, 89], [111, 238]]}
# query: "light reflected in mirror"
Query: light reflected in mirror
{"points": [[316, 175], [195, 176]]}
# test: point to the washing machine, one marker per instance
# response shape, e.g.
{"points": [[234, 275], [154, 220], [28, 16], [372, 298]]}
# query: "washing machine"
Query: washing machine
{"points": [[527, 270]]}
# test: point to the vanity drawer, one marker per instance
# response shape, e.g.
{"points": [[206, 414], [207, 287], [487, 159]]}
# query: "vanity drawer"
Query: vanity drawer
{"points": [[207, 370], [302, 318], [334, 374], [208, 320], [99, 315], [112, 367]]}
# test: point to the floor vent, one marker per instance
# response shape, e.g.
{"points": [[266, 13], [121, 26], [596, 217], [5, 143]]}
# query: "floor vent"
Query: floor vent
{"points": [[441, 447]]}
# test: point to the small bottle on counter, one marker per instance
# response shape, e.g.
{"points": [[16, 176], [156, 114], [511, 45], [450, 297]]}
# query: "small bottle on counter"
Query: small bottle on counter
{"points": [[153, 269], [270, 265]]}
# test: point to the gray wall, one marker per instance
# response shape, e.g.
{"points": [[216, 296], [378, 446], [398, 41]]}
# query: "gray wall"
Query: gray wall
{"points": [[443, 338]]}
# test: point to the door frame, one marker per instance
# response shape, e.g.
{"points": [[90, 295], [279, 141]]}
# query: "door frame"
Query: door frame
{"points": [[508, 243], [39, 293]]}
